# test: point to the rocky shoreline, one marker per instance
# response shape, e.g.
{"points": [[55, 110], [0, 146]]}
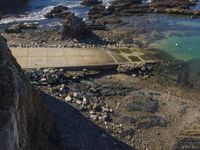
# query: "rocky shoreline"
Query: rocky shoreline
{"points": [[107, 27], [144, 107], [124, 103]]}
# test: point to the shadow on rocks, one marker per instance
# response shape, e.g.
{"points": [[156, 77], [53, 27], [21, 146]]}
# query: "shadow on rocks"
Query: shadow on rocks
{"points": [[75, 28], [78, 132]]}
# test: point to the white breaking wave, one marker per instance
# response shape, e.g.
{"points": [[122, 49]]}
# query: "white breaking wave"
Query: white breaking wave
{"points": [[36, 15], [107, 2]]}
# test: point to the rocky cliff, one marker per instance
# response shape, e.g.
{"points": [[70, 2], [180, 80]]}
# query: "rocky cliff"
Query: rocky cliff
{"points": [[24, 120]]}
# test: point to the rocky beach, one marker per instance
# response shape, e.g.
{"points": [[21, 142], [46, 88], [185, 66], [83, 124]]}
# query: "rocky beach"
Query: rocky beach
{"points": [[144, 106]]}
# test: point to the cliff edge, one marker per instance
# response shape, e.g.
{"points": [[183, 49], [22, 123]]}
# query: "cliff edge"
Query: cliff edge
{"points": [[24, 120]]}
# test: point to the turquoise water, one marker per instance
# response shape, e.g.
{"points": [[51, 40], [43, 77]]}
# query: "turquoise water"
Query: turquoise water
{"points": [[181, 47], [182, 39]]}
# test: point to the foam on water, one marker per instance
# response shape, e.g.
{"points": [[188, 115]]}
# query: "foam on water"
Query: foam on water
{"points": [[37, 9], [28, 16]]}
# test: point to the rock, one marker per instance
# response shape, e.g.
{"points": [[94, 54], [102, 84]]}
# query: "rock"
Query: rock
{"points": [[141, 102], [68, 99], [113, 20], [128, 120], [74, 27], [152, 121], [13, 29], [94, 117], [98, 11], [134, 75], [24, 118], [25, 25], [57, 12], [90, 2]]}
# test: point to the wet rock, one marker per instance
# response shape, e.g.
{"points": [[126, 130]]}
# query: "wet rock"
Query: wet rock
{"points": [[57, 12], [91, 2], [98, 11], [24, 26], [128, 120], [114, 20], [13, 29]]}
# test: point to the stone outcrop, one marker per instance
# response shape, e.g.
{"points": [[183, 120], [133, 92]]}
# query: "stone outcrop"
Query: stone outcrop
{"points": [[57, 12], [74, 28], [90, 2], [131, 7], [24, 120]]}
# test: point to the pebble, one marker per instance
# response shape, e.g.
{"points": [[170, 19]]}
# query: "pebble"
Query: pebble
{"points": [[134, 75], [109, 77], [68, 99], [94, 117]]}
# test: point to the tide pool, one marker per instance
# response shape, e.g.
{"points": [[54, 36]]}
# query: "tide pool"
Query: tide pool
{"points": [[185, 47]]}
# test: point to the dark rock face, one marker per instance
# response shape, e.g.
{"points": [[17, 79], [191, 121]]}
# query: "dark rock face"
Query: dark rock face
{"points": [[57, 12], [74, 27], [17, 28], [24, 120], [90, 2], [142, 103]]}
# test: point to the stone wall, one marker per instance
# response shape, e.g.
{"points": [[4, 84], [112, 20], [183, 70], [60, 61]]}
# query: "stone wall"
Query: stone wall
{"points": [[24, 120]]}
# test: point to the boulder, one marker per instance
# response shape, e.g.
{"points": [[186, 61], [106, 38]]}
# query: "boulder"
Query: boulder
{"points": [[90, 2], [17, 28], [25, 123], [98, 11], [152, 121], [24, 25], [142, 102], [57, 12], [74, 27], [13, 29]]}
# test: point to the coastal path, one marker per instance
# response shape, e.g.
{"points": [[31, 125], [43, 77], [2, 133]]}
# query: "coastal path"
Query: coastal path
{"points": [[72, 57]]}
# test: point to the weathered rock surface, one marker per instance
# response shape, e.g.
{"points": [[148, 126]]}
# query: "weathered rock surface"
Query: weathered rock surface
{"points": [[90, 2], [74, 27], [131, 7], [17, 28], [57, 12], [24, 120]]}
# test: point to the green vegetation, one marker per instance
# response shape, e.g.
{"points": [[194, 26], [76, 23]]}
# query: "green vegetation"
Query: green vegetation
{"points": [[136, 49], [125, 50], [121, 58], [134, 58]]}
